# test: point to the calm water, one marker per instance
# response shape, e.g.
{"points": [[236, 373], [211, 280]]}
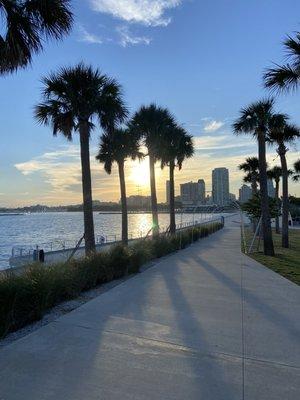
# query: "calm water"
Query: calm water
{"points": [[53, 230]]}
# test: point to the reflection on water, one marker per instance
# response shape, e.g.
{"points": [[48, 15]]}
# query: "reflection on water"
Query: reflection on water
{"points": [[43, 228]]}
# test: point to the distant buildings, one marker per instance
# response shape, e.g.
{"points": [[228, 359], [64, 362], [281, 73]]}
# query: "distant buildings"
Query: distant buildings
{"points": [[271, 189], [220, 186], [193, 193], [245, 194], [139, 201], [232, 197]]}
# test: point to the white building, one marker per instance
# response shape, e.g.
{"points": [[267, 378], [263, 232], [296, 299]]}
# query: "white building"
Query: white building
{"points": [[220, 186]]}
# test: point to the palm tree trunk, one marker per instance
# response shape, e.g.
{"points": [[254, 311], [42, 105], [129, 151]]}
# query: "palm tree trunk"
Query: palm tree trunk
{"points": [[89, 234], [254, 192], [155, 227], [265, 211], [254, 186], [277, 202], [172, 199], [123, 203], [285, 198]]}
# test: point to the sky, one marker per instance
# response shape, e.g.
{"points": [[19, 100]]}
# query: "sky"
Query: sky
{"points": [[203, 60]]}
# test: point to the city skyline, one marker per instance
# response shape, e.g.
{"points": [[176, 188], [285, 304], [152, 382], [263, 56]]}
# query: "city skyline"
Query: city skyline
{"points": [[37, 168]]}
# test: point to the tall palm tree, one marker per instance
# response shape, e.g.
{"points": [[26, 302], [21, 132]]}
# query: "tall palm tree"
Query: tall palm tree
{"points": [[255, 120], [296, 176], [178, 146], [73, 98], [275, 174], [118, 147], [286, 77], [151, 123], [281, 133], [251, 168], [26, 24]]}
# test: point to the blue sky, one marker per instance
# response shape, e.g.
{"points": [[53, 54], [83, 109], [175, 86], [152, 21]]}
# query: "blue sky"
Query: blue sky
{"points": [[203, 60]]}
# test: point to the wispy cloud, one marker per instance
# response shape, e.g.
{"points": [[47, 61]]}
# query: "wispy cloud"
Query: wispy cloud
{"points": [[87, 37], [147, 12], [129, 39], [213, 126], [60, 169]]}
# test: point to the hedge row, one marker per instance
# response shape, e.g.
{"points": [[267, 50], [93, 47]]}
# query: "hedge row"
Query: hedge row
{"points": [[26, 297]]}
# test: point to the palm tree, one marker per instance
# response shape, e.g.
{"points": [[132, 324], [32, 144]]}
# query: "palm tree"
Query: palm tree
{"points": [[26, 25], [255, 120], [151, 124], [296, 176], [281, 132], [286, 77], [117, 148], [251, 168], [73, 97], [178, 146], [275, 174]]}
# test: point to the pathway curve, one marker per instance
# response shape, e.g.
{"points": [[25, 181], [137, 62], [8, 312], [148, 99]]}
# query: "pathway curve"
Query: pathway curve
{"points": [[206, 323]]}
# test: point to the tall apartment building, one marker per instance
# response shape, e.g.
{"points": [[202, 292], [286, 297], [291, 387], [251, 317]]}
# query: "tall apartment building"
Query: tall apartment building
{"points": [[202, 192], [271, 189], [220, 186], [193, 193], [245, 194]]}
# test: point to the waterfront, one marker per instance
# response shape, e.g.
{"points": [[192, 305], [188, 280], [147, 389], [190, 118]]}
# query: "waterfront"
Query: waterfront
{"points": [[57, 229]]}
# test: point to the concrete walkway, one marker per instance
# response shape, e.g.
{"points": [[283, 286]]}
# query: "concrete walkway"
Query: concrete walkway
{"points": [[206, 323]]}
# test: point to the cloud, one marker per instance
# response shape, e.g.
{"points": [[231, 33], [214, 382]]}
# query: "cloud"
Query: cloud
{"points": [[88, 37], [213, 126], [146, 12], [128, 39], [60, 169], [222, 142]]}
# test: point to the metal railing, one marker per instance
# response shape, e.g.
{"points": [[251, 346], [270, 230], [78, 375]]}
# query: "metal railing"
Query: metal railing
{"points": [[29, 251]]}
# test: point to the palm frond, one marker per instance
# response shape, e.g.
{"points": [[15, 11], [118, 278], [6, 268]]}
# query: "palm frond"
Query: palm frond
{"points": [[282, 78], [27, 24]]}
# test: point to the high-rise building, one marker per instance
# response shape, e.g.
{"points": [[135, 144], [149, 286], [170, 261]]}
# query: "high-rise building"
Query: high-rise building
{"points": [[168, 192], [232, 197], [220, 186], [202, 191], [271, 189], [245, 194], [193, 193]]}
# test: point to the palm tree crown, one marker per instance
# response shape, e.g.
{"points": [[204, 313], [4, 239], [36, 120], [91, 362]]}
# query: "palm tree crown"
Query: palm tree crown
{"points": [[26, 24], [296, 177], [117, 148], [178, 147], [281, 131], [286, 77], [78, 94], [151, 124], [275, 173], [255, 118], [251, 168]]}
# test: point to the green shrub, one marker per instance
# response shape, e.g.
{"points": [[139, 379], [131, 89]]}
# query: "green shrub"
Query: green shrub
{"points": [[140, 254], [25, 298]]}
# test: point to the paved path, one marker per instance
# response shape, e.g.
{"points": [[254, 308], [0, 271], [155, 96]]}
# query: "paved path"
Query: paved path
{"points": [[206, 323]]}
